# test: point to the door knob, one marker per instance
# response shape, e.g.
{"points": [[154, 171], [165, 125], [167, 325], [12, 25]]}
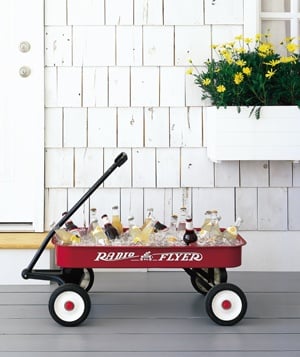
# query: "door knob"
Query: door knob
{"points": [[24, 71], [24, 46]]}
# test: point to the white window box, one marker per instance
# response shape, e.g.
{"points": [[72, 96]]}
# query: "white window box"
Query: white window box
{"points": [[230, 135]]}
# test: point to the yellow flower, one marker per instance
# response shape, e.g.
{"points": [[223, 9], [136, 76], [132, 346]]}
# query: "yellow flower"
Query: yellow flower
{"points": [[288, 59], [221, 88], [189, 71], [214, 46], [265, 49], [291, 47], [239, 37], [270, 73], [273, 63], [241, 50], [248, 40], [247, 71], [206, 82], [241, 63], [289, 39], [238, 78], [258, 37]]}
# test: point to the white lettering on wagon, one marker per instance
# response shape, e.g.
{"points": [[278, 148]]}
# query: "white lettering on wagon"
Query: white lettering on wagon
{"points": [[149, 256], [181, 257], [114, 256]]}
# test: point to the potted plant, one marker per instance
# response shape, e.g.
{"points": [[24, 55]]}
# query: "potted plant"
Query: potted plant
{"points": [[249, 81]]}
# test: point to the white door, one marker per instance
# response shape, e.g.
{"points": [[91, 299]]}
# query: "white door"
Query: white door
{"points": [[21, 115]]}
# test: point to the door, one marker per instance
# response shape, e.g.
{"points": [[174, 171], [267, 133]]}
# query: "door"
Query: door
{"points": [[21, 115]]}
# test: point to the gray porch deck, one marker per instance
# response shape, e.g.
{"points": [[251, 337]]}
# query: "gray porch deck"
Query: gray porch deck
{"points": [[155, 314]]}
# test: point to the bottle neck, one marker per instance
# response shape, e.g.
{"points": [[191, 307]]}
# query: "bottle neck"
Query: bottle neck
{"points": [[189, 225], [238, 222], [105, 220], [115, 210]]}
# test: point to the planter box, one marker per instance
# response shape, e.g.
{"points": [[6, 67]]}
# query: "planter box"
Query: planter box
{"points": [[231, 135]]}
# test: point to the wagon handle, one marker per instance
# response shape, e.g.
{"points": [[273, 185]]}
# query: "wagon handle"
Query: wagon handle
{"points": [[28, 273], [120, 159]]}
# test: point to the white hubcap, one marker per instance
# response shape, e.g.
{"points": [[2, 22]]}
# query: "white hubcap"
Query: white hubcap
{"points": [[226, 305], [69, 306]]}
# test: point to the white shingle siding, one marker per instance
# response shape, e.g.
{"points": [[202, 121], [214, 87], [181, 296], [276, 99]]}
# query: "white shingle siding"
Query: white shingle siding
{"points": [[85, 12], [115, 81], [188, 12], [148, 12], [129, 45], [95, 86], [94, 46], [224, 12], [102, 127], [58, 46]]}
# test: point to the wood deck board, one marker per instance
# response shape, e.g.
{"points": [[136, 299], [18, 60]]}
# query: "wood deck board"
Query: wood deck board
{"points": [[154, 314]]}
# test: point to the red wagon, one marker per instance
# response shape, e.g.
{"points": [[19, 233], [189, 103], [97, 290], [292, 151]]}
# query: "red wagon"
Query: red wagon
{"points": [[70, 304]]}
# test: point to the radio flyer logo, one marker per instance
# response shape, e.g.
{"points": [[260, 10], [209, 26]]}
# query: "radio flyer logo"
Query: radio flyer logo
{"points": [[149, 256]]}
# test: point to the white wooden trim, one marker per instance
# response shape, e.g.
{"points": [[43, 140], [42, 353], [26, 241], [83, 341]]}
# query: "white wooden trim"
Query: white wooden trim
{"points": [[23, 20], [251, 17]]}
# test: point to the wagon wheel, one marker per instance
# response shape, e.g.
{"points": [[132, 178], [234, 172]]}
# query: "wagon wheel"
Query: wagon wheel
{"points": [[204, 279], [87, 280], [226, 304], [83, 277], [69, 305]]}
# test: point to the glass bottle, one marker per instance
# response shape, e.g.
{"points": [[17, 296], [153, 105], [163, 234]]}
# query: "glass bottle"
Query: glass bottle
{"points": [[110, 231], [69, 225], [181, 222], [95, 230], [214, 229], [134, 231], [152, 226], [148, 218], [66, 237], [116, 220], [172, 234], [173, 224], [190, 235], [231, 232]]}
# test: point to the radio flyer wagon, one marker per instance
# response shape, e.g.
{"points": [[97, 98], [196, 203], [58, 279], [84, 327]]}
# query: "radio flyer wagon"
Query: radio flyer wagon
{"points": [[69, 304]]}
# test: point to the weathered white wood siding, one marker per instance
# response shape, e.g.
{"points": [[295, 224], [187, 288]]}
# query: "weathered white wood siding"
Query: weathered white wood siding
{"points": [[115, 81]]}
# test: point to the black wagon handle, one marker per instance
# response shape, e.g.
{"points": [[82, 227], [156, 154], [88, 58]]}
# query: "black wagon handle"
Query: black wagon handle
{"points": [[119, 161]]}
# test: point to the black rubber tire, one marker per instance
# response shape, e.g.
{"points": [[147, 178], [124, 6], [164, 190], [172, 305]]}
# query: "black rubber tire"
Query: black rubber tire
{"points": [[226, 304], [88, 279], [219, 276], [74, 295], [83, 277]]}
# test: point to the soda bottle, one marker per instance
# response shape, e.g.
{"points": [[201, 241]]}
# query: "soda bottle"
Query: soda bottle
{"points": [[190, 235], [172, 234], [71, 227], [116, 220], [134, 231], [66, 237], [181, 222], [148, 218], [231, 232], [110, 231], [215, 233], [95, 230]]}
